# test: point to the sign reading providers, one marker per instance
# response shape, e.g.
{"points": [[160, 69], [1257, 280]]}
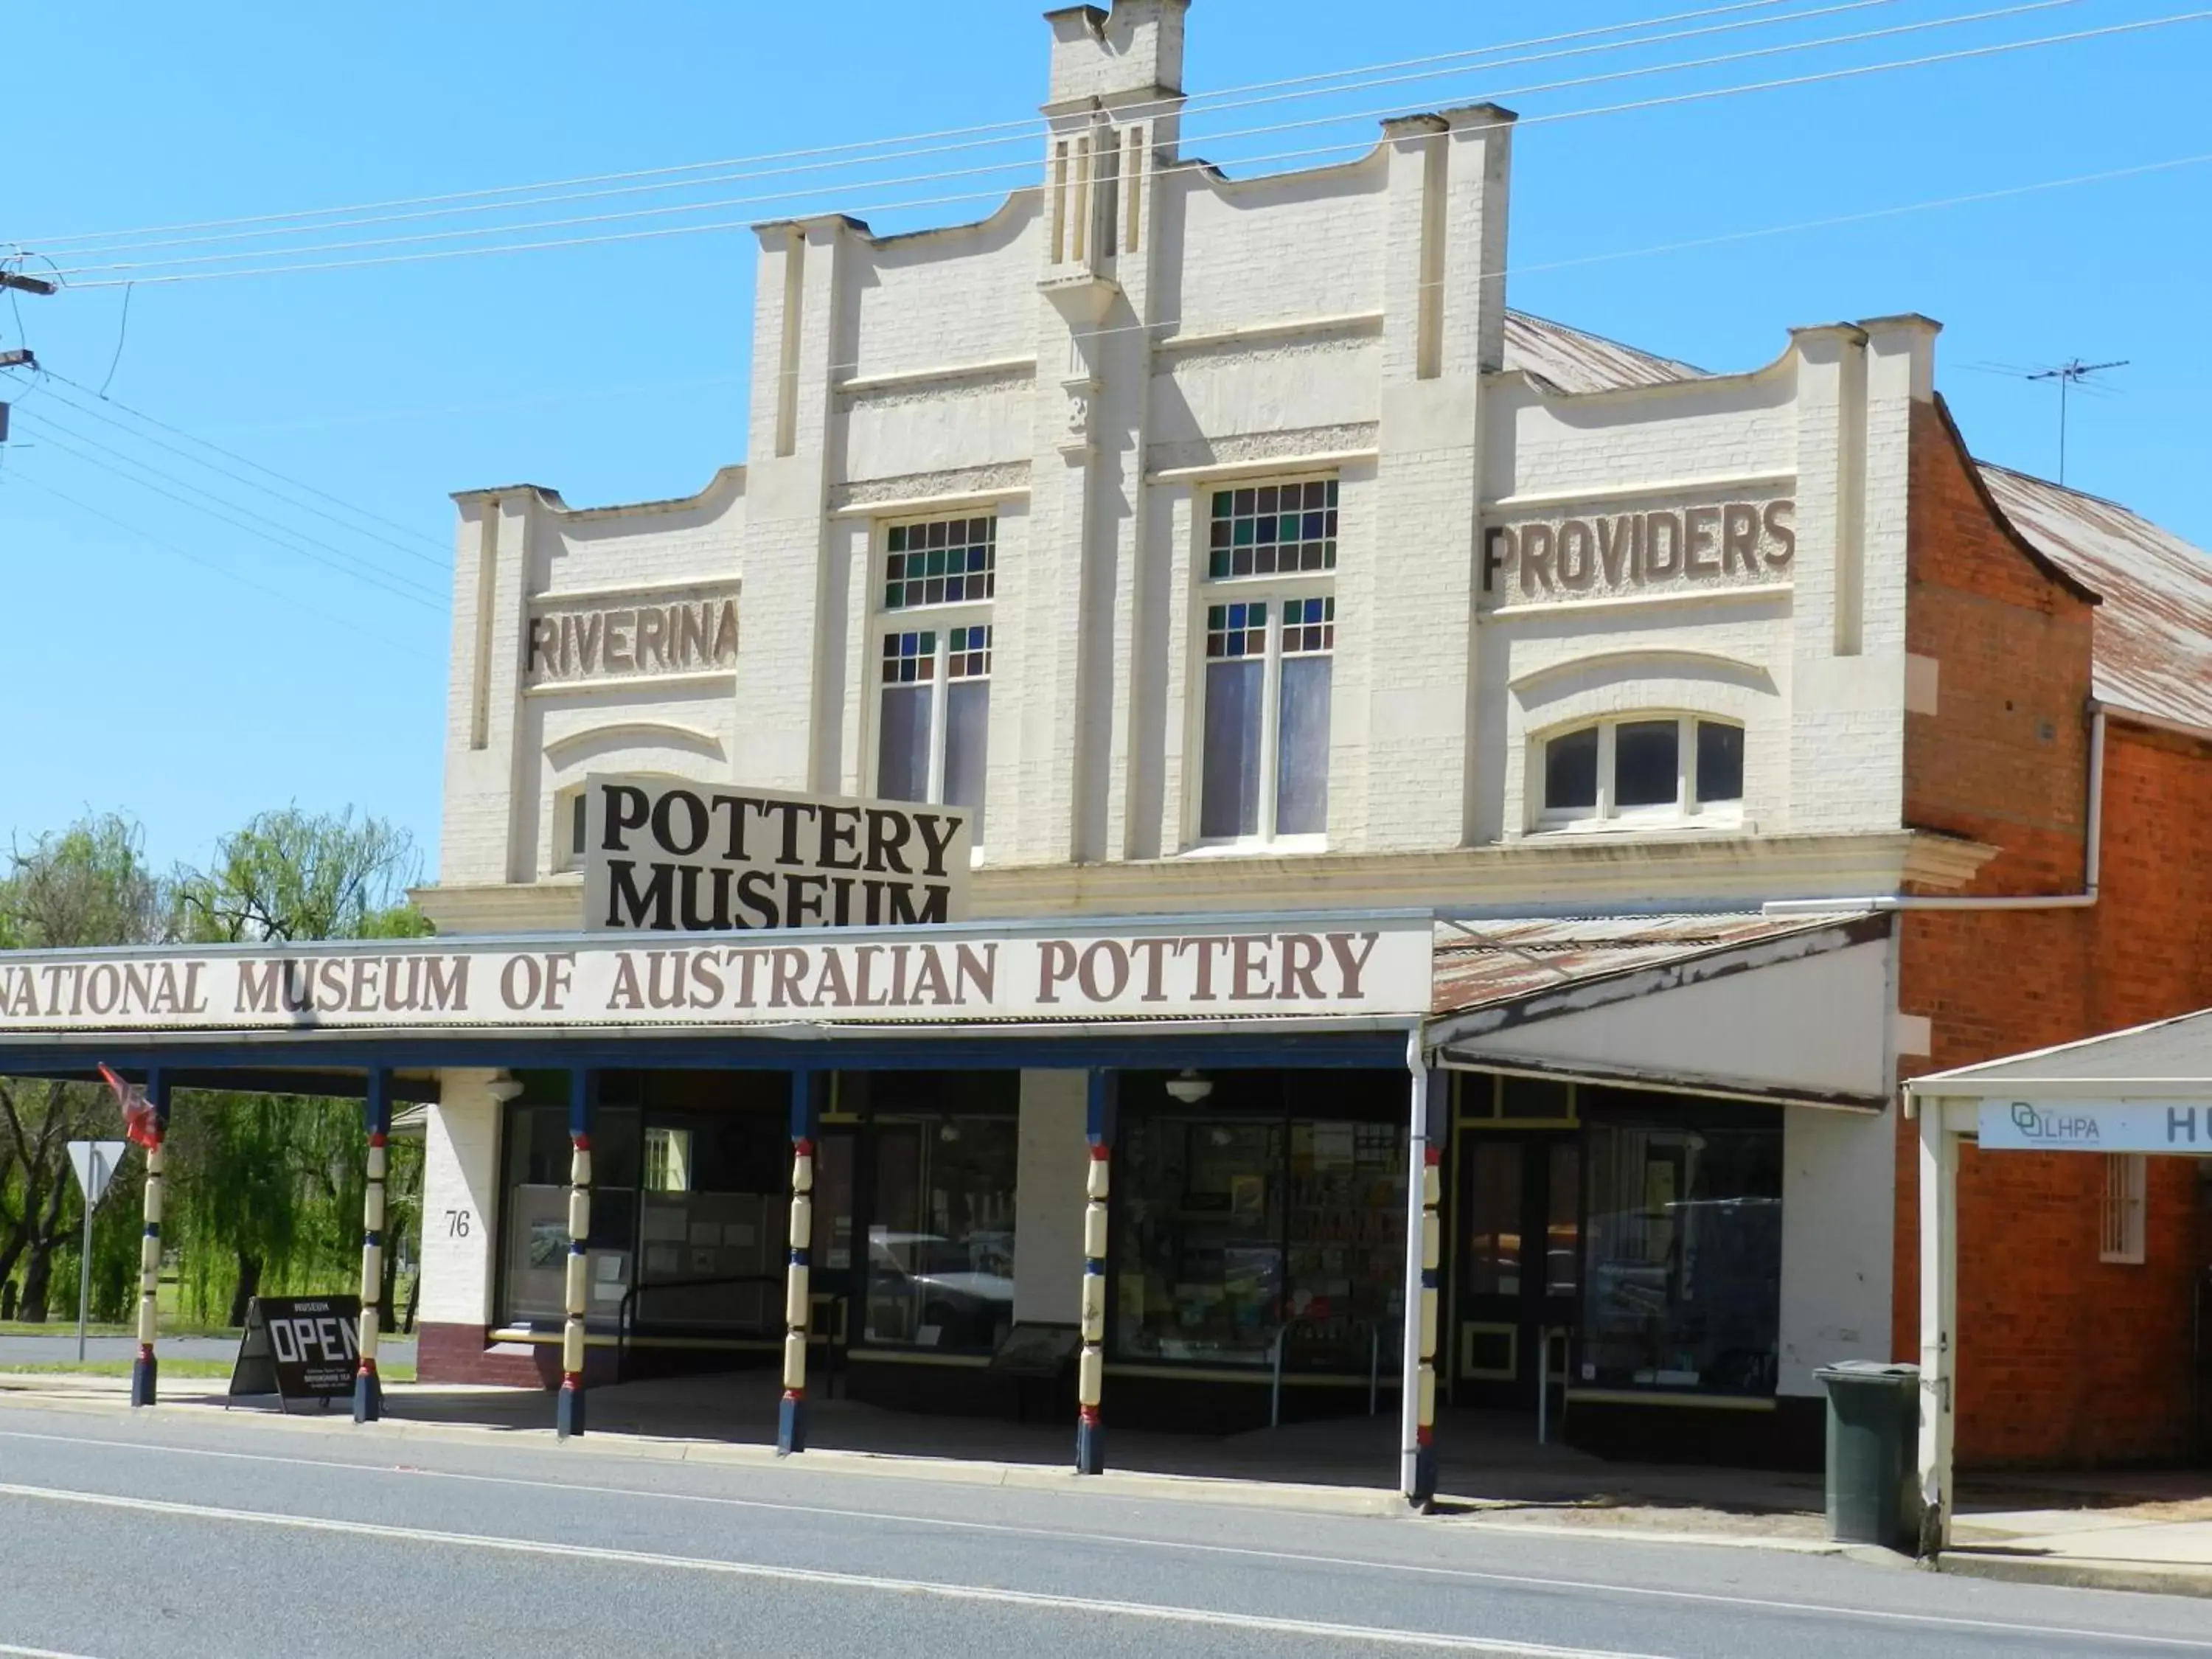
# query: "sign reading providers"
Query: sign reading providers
{"points": [[2096, 1126], [663, 855]]}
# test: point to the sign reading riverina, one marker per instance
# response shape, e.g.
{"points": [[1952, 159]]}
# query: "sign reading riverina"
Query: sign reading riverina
{"points": [[1331, 967], [662, 855], [2096, 1126]]}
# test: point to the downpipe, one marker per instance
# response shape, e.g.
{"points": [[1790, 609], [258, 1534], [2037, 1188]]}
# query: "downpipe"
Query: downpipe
{"points": [[2092, 859]]}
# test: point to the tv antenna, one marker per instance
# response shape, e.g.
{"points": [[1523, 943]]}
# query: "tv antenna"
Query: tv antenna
{"points": [[2068, 375]]}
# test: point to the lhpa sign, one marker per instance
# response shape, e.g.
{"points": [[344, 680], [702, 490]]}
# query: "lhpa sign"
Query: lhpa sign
{"points": [[663, 856], [2096, 1126]]}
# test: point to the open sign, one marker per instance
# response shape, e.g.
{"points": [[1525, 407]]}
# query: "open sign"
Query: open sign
{"points": [[299, 1347]]}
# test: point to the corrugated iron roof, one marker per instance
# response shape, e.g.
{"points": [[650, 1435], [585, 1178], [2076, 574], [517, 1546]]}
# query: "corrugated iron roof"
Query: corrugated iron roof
{"points": [[1570, 360], [1481, 963], [2153, 631]]}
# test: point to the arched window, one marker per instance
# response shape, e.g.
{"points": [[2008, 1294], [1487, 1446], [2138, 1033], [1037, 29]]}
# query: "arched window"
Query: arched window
{"points": [[1639, 769]]}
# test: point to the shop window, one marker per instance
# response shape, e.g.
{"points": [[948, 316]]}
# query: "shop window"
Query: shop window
{"points": [[941, 1240], [535, 1216], [1620, 772], [1236, 1229], [1264, 771], [933, 730], [2120, 1223], [1683, 1246]]}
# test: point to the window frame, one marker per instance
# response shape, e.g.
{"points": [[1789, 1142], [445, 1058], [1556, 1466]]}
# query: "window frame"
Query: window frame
{"points": [[1276, 590], [939, 619], [2123, 1209], [1685, 810]]}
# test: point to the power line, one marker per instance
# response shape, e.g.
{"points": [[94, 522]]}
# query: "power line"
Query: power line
{"points": [[1703, 95], [1030, 132], [1026, 165], [437, 564], [352, 623], [252, 523], [1026, 127]]}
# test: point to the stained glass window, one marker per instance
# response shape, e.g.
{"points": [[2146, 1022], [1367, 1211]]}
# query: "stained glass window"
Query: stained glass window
{"points": [[1272, 530], [944, 562], [1236, 630]]}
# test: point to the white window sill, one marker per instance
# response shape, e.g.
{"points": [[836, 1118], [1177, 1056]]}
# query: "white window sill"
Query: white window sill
{"points": [[1629, 825], [1252, 846]]}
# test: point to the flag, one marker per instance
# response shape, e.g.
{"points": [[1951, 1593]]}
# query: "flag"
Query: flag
{"points": [[140, 1122]]}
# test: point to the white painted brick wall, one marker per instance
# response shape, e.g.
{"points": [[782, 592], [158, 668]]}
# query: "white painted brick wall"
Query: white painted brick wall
{"points": [[962, 362], [460, 1184]]}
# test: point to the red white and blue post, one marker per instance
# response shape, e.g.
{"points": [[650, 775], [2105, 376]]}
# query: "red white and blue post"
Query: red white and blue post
{"points": [[376, 1114], [1090, 1366], [149, 1127], [1424, 1269], [797, 1290], [568, 1408]]}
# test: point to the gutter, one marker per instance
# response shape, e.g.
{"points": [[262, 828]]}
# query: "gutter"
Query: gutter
{"points": [[2093, 857]]}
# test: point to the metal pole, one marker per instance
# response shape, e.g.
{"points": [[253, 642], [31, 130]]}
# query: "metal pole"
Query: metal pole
{"points": [[1099, 1113], [797, 1295], [376, 1108], [84, 1256], [145, 1371], [568, 1408], [1417, 1463], [1275, 1397]]}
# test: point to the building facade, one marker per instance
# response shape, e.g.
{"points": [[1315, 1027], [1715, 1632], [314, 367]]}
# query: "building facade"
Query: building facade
{"points": [[1256, 583]]}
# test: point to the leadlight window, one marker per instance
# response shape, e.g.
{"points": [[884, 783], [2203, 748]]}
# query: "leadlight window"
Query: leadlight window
{"points": [[1265, 772], [1272, 530], [1640, 768], [944, 562]]}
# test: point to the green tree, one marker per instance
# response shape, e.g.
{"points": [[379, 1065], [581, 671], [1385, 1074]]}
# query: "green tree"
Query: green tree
{"points": [[89, 885], [274, 1182]]}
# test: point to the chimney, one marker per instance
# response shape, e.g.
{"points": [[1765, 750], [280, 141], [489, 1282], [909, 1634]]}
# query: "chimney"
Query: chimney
{"points": [[1133, 52]]}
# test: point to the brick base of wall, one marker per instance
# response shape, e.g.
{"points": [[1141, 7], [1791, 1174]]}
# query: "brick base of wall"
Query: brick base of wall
{"points": [[461, 1353]]}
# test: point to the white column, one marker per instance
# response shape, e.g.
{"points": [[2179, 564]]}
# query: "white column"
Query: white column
{"points": [[1417, 1409], [1939, 1299]]}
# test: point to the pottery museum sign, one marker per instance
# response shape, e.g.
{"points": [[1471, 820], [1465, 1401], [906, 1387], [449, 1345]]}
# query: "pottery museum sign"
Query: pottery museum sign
{"points": [[1338, 966], [663, 855], [598, 639], [1579, 555]]}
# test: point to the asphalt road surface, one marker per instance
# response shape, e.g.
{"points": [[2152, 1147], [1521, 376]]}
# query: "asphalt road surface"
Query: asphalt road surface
{"points": [[122, 1537]]}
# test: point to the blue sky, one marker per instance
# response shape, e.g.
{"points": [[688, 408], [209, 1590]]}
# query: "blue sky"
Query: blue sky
{"points": [[195, 683]]}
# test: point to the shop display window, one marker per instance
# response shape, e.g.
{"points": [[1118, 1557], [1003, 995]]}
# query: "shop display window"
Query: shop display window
{"points": [[1683, 1245], [536, 1216], [940, 1269], [1235, 1228]]}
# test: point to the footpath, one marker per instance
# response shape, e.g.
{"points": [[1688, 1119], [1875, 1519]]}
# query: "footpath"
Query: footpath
{"points": [[2147, 1531]]}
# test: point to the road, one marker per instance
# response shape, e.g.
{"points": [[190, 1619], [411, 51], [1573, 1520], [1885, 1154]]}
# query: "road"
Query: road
{"points": [[127, 1537]]}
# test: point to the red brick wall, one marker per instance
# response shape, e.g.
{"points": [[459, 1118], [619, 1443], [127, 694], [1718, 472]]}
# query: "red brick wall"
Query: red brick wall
{"points": [[459, 1353], [2061, 1358]]}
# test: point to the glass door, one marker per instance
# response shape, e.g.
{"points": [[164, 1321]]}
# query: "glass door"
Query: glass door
{"points": [[1519, 1265], [834, 1273]]}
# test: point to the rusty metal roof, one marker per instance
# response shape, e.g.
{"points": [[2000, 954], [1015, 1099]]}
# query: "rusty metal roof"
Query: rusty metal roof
{"points": [[2153, 631], [1570, 360], [1480, 964]]}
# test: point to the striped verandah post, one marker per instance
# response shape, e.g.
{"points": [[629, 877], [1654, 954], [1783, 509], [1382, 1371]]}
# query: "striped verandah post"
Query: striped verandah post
{"points": [[1091, 1368], [145, 1370], [1424, 1270], [798, 1294], [376, 1113], [583, 1099]]}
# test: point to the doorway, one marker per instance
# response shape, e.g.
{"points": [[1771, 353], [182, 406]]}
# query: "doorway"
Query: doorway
{"points": [[1520, 1262]]}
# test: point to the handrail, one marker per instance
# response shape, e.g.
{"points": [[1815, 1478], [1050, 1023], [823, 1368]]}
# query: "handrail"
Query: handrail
{"points": [[626, 1310]]}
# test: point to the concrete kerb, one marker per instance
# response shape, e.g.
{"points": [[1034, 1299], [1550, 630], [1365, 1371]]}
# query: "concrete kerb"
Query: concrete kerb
{"points": [[2154, 1578], [103, 1397]]}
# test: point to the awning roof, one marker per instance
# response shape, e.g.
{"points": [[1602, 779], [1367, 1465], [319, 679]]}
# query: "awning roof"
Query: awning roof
{"points": [[1793, 1009], [2169, 1057]]}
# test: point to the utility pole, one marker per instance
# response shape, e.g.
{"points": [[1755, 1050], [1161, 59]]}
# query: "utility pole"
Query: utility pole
{"points": [[2069, 373], [16, 282]]}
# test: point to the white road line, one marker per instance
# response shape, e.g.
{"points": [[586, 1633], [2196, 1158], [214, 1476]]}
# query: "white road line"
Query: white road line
{"points": [[1358, 1564], [1378, 1635], [9, 1651]]}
